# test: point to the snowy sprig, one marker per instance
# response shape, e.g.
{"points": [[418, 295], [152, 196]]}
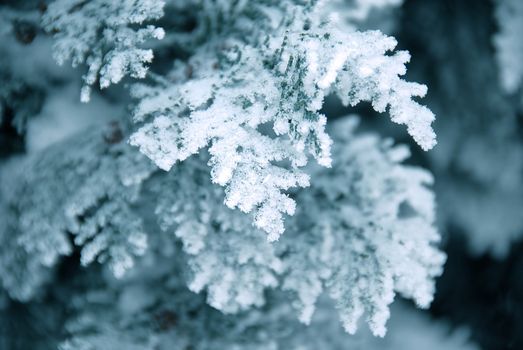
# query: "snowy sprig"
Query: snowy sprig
{"points": [[372, 237], [80, 190], [105, 35], [225, 255], [364, 231], [255, 104]]}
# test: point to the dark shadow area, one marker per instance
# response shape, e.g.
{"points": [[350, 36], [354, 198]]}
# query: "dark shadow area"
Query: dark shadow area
{"points": [[482, 293]]}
